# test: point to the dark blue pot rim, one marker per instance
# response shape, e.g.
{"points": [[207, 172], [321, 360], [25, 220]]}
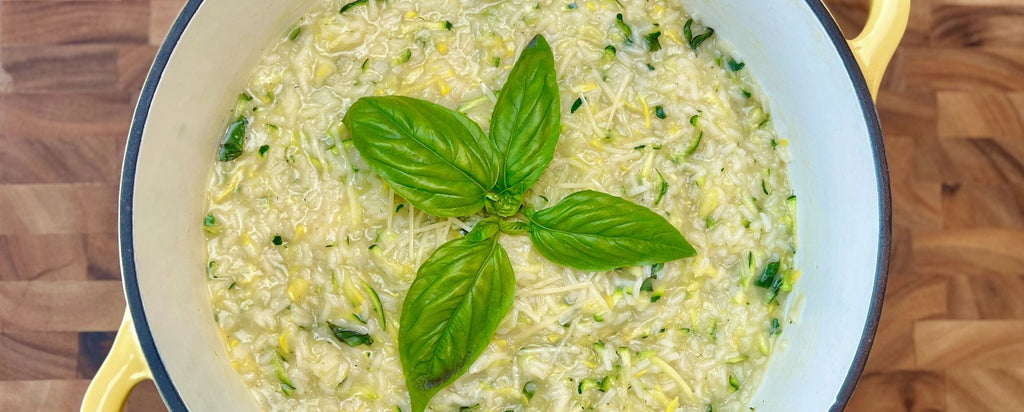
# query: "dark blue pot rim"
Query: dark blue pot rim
{"points": [[131, 284]]}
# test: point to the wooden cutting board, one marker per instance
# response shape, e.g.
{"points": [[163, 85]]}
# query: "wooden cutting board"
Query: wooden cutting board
{"points": [[952, 331]]}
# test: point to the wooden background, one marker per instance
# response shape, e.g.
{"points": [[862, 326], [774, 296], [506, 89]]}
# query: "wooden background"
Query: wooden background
{"points": [[952, 329]]}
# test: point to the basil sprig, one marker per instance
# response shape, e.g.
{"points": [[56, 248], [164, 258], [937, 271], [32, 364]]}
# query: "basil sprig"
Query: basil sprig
{"points": [[441, 162]]}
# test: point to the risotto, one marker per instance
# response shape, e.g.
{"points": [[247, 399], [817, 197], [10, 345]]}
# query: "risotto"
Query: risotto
{"points": [[311, 254]]}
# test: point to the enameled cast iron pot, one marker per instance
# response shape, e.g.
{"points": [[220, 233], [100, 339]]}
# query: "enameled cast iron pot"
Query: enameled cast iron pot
{"points": [[819, 88]]}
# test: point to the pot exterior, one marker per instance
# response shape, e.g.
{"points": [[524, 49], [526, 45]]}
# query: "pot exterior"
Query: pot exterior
{"points": [[817, 96]]}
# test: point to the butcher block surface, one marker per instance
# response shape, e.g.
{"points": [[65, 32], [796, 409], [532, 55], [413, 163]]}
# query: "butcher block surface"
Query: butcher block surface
{"points": [[951, 336]]}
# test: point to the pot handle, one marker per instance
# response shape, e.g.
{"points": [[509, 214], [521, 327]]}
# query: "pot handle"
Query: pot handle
{"points": [[887, 21], [124, 367]]}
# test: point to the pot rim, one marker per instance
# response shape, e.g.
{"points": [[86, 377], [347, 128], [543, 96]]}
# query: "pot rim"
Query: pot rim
{"points": [[169, 392]]}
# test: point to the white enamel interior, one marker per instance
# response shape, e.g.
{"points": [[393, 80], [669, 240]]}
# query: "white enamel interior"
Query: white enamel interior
{"points": [[813, 104], [211, 63]]}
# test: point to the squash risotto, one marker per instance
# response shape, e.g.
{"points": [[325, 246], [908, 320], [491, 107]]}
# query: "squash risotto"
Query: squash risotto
{"points": [[311, 254]]}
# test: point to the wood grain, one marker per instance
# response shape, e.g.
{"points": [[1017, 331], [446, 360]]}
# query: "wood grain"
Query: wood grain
{"points": [[980, 160], [969, 252], [989, 69], [42, 395], [980, 114], [60, 160], [28, 355], [61, 68], [973, 26], [976, 296], [950, 334], [988, 344], [74, 22], [910, 299], [908, 113], [900, 390], [983, 390], [70, 306], [952, 111], [43, 257], [58, 208], [51, 115]]}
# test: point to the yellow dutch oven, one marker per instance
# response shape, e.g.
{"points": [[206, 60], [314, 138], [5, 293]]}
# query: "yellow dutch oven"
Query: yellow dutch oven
{"points": [[820, 88]]}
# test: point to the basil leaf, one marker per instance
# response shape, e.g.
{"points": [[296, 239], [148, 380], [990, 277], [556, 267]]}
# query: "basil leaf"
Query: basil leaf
{"points": [[234, 140], [526, 121], [460, 295], [350, 337], [594, 231], [485, 229], [695, 41], [437, 159], [766, 278], [653, 44], [736, 66], [514, 228]]}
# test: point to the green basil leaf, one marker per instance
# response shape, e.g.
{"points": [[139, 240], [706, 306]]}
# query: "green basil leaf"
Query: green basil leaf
{"points": [[653, 44], [436, 158], [460, 295], [736, 66], [766, 278], [350, 337], [695, 41], [594, 231], [527, 119], [234, 140], [485, 229], [514, 228]]}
